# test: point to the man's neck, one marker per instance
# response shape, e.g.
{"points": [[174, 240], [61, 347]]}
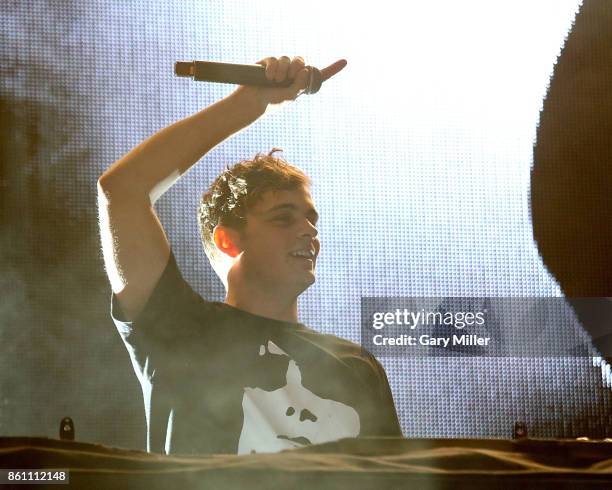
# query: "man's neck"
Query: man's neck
{"points": [[263, 303]]}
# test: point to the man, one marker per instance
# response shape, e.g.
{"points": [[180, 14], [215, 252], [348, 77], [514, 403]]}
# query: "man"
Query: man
{"points": [[243, 375]]}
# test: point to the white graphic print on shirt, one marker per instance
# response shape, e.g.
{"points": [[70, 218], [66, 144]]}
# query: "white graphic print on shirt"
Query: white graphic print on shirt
{"points": [[291, 416]]}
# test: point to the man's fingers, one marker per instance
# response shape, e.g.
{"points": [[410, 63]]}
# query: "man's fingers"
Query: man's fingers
{"points": [[270, 64], [296, 71], [297, 63], [282, 68], [299, 83], [332, 69]]}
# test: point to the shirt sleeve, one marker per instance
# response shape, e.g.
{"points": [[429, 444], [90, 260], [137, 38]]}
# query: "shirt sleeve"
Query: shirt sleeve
{"points": [[171, 299]]}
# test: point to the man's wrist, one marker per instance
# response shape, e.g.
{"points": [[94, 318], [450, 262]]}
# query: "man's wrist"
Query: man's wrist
{"points": [[250, 100]]}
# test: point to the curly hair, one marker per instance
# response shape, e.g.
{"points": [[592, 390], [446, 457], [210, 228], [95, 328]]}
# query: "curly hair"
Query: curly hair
{"points": [[238, 188]]}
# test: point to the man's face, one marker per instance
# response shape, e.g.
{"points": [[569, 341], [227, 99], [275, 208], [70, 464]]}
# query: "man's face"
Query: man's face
{"points": [[280, 227]]}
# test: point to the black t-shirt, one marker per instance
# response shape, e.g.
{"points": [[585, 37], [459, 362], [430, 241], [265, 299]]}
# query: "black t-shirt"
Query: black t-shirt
{"points": [[217, 379]]}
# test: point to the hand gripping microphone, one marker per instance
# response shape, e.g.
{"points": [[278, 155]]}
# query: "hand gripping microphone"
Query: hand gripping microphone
{"points": [[210, 71]]}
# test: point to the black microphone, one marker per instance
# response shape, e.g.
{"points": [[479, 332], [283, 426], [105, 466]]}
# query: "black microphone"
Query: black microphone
{"points": [[211, 71]]}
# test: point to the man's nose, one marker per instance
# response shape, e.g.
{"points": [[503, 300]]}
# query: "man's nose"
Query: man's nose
{"points": [[309, 229]]}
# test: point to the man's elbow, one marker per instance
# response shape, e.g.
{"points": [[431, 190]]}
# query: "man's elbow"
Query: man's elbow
{"points": [[112, 185], [107, 182]]}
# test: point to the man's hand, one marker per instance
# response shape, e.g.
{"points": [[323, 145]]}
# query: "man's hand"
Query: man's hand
{"points": [[279, 70], [282, 69]]}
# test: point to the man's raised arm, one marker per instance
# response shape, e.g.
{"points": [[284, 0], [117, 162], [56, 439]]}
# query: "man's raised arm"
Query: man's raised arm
{"points": [[134, 244]]}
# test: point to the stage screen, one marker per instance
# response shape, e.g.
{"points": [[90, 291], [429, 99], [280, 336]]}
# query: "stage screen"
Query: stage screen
{"points": [[420, 153]]}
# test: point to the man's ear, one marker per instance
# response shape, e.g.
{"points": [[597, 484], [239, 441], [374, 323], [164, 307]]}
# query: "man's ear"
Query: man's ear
{"points": [[227, 240]]}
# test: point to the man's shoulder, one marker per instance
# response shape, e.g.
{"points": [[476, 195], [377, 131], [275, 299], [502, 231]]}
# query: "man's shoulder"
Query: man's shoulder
{"points": [[340, 344], [172, 304], [344, 350]]}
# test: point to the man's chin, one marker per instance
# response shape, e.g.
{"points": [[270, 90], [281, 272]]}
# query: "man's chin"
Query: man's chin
{"points": [[307, 281]]}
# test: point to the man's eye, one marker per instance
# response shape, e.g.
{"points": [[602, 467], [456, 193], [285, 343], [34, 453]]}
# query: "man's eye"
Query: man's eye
{"points": [[283, 219]]}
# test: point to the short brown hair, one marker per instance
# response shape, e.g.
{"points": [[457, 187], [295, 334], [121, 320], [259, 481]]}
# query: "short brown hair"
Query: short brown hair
{"points": [[238, 188]]}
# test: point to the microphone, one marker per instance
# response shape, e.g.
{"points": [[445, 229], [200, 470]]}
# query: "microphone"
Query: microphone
{"points": [[211, 71]]}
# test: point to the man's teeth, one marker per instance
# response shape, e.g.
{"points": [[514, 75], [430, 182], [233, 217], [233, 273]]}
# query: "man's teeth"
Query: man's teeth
{"points": [[307, 255]]}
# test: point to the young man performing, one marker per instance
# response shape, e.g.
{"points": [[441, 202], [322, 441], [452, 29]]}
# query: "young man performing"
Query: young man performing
{"points": [[240, 376]]}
